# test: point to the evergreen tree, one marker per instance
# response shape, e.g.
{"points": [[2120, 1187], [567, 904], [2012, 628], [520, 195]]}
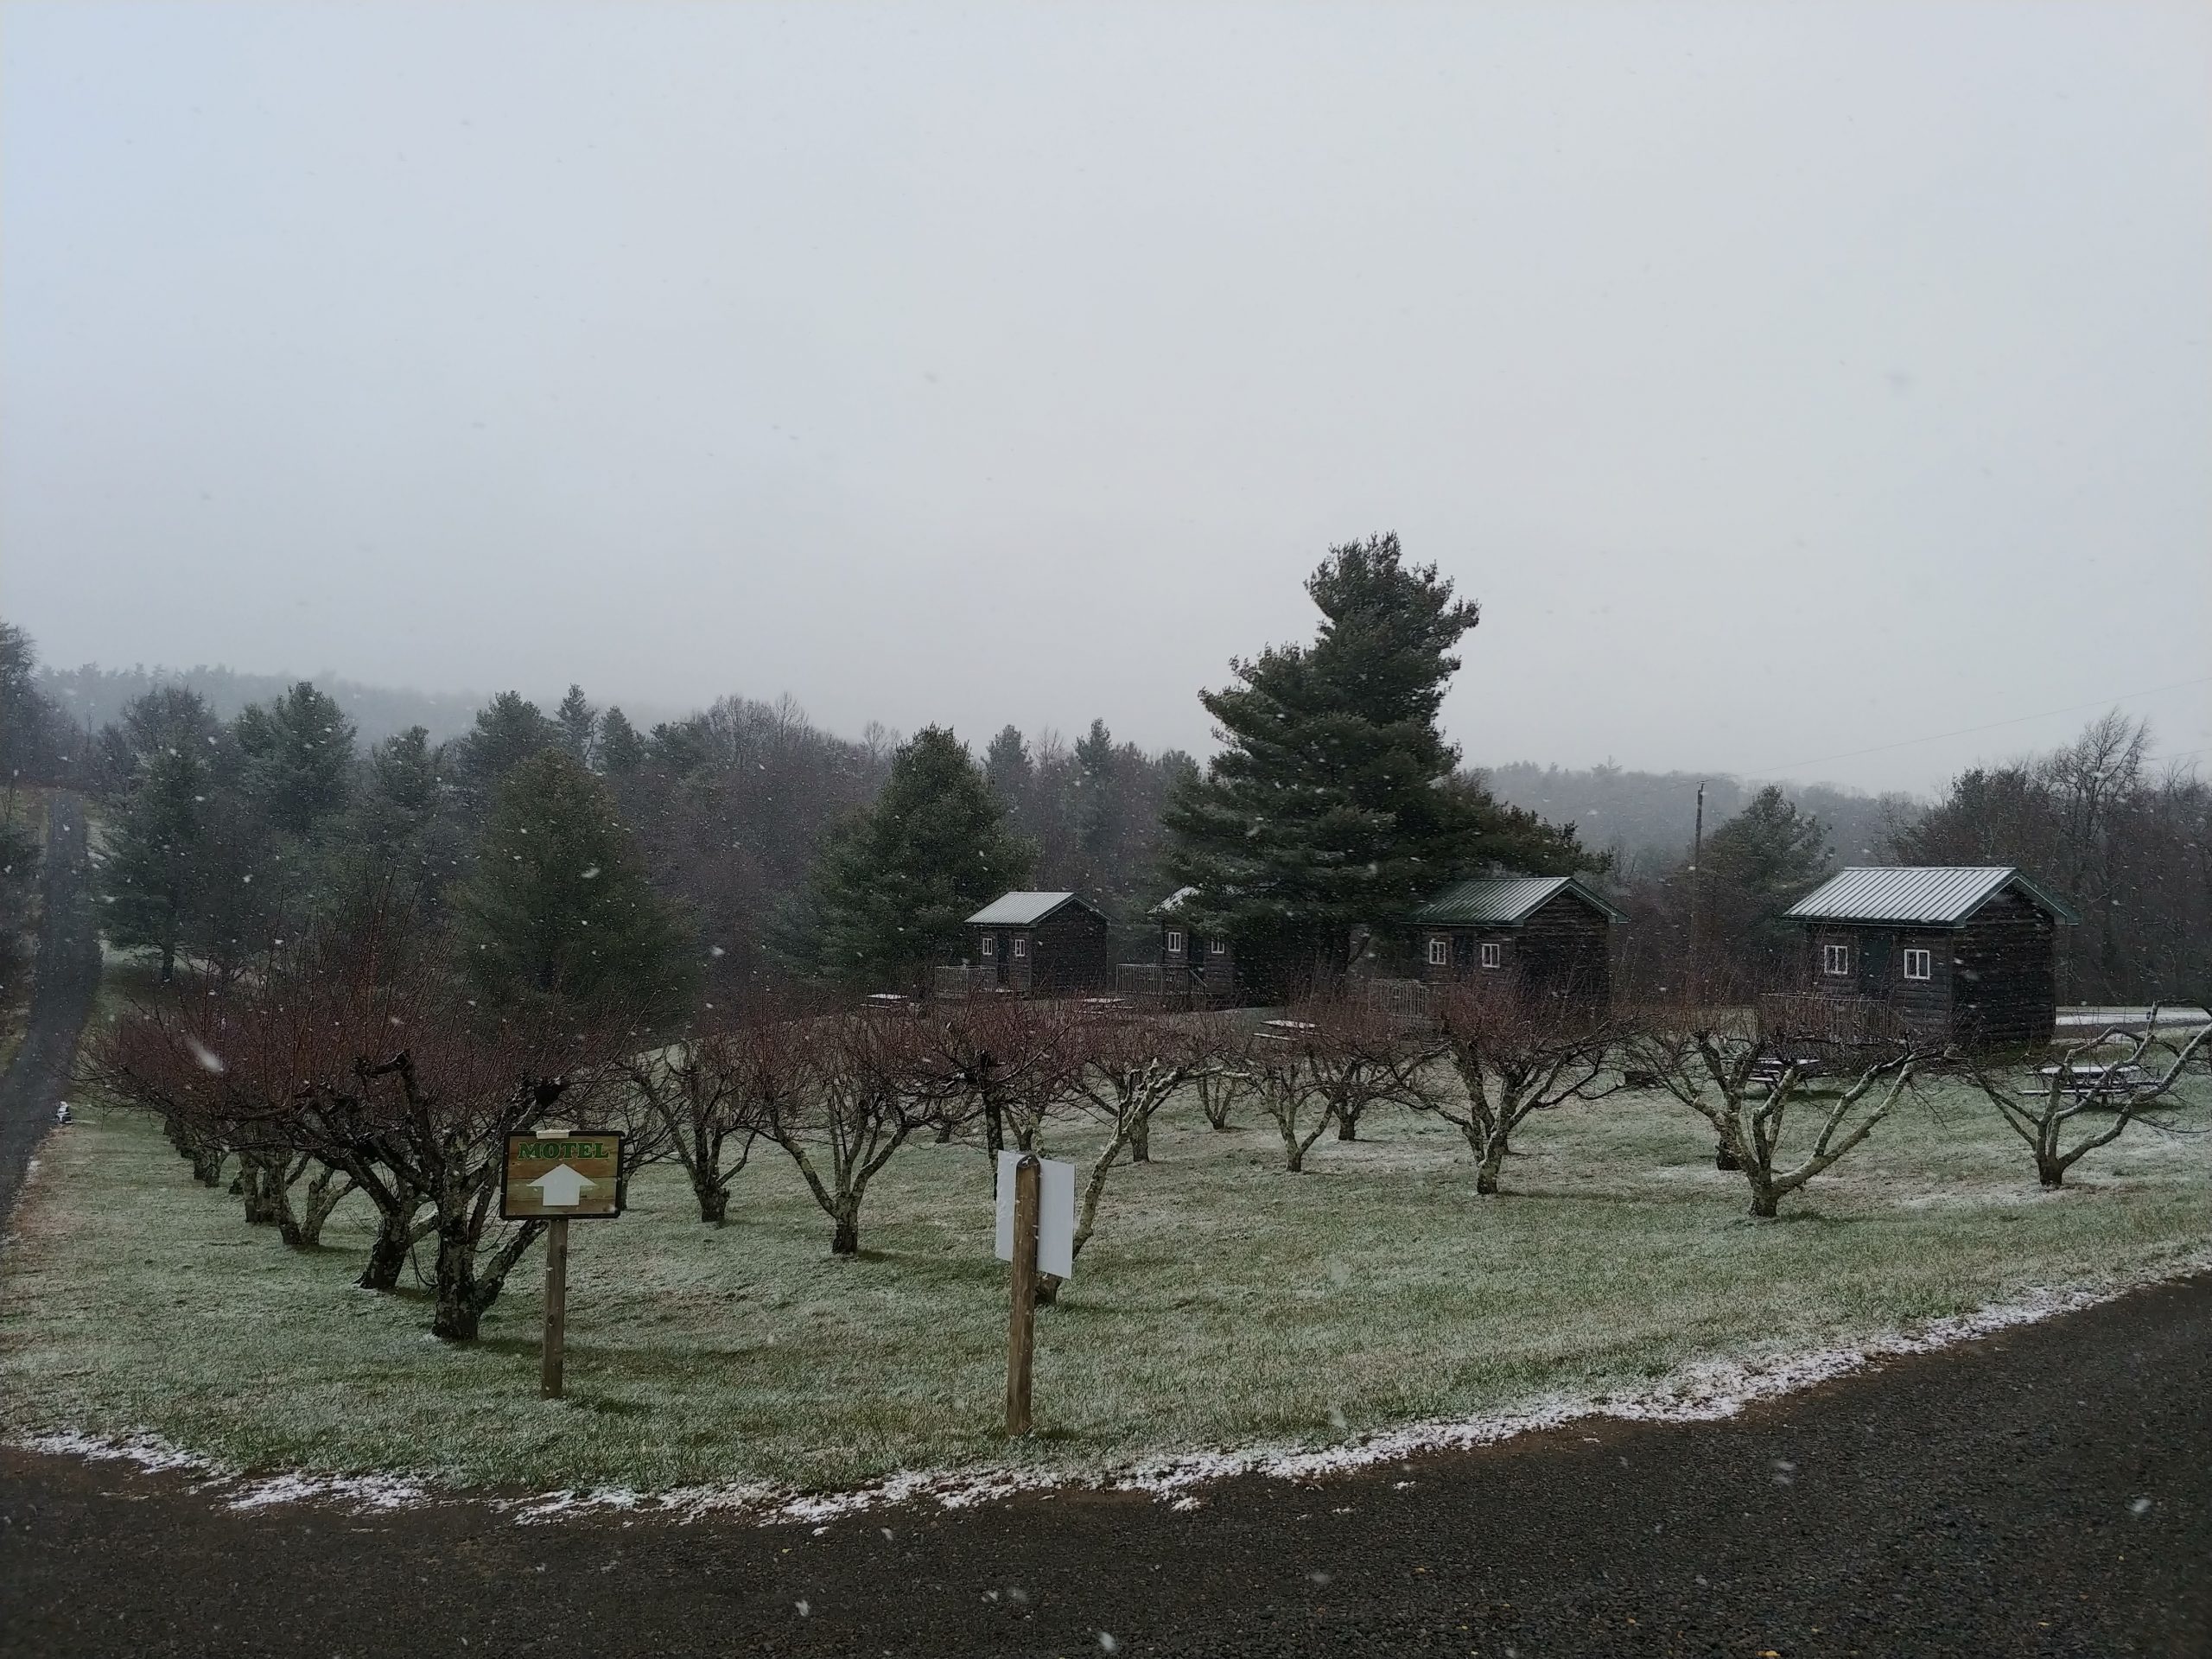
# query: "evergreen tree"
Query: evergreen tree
{"points": [[152, 873], [401, 840], [893, 886], [1098, 806], [576, 721], [509, 731], [1756, 865], [30, 730], [298, 758], [557, 911], [622, 751], [1770, 851], [1006, 768], [1333, 801]]}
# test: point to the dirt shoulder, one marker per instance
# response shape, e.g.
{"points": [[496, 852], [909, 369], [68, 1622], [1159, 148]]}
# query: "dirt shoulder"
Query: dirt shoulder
{"points": [[2045, 1491]]}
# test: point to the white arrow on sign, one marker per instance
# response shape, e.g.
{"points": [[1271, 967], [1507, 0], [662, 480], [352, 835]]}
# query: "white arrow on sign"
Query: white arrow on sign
{"points": [[561, 1187]]}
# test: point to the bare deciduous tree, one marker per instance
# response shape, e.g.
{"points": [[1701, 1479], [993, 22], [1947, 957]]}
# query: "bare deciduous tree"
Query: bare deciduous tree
{"points": [[717, 1088], [2042, 1108], [1006, 1061], [1715, 1063], [874, 1082], [1514, 1056], [1126, 1068], [1330, 1061]]}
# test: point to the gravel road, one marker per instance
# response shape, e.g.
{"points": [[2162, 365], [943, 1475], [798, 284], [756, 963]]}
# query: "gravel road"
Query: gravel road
{"points": [[2048, 1490]]}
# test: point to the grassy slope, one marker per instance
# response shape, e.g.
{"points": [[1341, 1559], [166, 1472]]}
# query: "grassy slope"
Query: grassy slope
{"points": [[1223, 1300]]}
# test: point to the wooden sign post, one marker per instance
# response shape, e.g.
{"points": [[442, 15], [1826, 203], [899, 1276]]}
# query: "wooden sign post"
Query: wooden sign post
{"points": [[1036, 1234], [557, 1306], [560, 1178], [1022, 1328]]}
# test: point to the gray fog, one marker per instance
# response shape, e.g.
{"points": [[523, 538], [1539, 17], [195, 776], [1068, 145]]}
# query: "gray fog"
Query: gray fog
{"points": [[1790, 386]]}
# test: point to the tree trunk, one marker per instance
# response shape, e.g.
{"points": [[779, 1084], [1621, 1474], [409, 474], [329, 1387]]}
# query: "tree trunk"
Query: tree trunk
{"points": [[1140, 1142], [1724, 1158], [324, 1193], [2048, 1171], [1347, 1126], [388, 1250], [714, 1203], [460, 1312], [1048, 1288], [846, 1239], [1295, 1157], [1763, 1202], [207, 1164]]}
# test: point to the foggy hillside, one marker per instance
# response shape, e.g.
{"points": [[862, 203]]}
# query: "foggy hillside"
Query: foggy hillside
{"points": [[1646, 818], [90, 695]]}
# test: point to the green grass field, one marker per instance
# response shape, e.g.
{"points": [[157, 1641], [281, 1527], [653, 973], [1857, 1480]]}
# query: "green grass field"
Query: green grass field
{"points": [[1223, 1301]]}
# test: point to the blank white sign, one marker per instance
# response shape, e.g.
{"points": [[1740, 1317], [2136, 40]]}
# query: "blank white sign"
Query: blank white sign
{"points": [[1055, 1214]]}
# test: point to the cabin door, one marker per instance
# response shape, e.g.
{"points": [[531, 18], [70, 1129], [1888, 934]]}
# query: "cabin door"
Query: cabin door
{"points": [[1003, 955]]}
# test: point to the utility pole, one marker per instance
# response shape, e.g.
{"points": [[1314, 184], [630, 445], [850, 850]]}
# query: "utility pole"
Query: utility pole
{"points": [[1697, 903]]}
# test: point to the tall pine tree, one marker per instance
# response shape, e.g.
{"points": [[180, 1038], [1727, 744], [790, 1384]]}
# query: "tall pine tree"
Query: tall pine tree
{"points": [[1334, 802]]}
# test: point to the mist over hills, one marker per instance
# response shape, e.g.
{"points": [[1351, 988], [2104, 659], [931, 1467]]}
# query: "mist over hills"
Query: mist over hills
{"points": [[1645, 819]]}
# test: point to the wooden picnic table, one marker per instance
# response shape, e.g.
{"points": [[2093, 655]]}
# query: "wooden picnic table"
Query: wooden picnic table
{"points": [[2117, 1078]]}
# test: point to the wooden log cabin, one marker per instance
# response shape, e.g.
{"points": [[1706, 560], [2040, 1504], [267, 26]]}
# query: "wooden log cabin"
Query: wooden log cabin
{"points": [[1041, 944], [1546, 935], [1201, 966], [1953, 954]]}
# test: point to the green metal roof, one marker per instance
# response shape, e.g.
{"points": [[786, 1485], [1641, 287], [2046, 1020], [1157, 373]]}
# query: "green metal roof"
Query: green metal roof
{"points": [[1504, 901], [1928, 895]]}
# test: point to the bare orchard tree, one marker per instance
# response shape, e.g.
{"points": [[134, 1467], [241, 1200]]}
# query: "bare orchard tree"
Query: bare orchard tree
{"points": [[1363, 1056], [2041, 1107], [1127, 1067], [1715, 1063], [714, 1090], [1329, 1061], [1515, 1056], [1004, 1061], [438, 1111], [874, 1082], [1279, 1069], [1226, 1080], [226, 1065]]}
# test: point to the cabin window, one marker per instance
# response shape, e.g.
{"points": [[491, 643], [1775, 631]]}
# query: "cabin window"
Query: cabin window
{"points": [[1919, 964], [1217, 947], [1020, 946], [991, 944], [1836, 959], [1493, 956], [1174, 941], [1440, 953]]}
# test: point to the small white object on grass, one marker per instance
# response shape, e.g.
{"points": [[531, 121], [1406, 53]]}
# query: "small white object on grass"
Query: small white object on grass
{"points": [[2140, 1506], [804, 1610], [1108, 1643]]}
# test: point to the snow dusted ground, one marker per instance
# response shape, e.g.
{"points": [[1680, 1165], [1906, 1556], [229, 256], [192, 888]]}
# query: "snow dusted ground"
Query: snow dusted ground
{"points": [[1707, 1391]]}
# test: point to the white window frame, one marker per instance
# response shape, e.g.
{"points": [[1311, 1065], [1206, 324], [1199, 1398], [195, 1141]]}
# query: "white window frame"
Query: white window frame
{"points": [[1440, 953], [1217, 947], [1915, 956], [1174, 941], [1020, 947], [990, 947], [1835, 961], [1493, 954]]}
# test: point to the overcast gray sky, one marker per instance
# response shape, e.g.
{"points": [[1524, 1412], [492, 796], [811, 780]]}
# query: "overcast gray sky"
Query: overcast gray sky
{"points": [[1784, 381]]}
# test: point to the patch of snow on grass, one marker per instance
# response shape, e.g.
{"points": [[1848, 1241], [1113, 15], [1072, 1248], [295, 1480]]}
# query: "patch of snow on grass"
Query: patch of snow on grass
{"points": [[1706, 1392]]}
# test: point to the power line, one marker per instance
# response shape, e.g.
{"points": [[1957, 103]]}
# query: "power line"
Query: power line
{"points": [[1968, 731]]}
